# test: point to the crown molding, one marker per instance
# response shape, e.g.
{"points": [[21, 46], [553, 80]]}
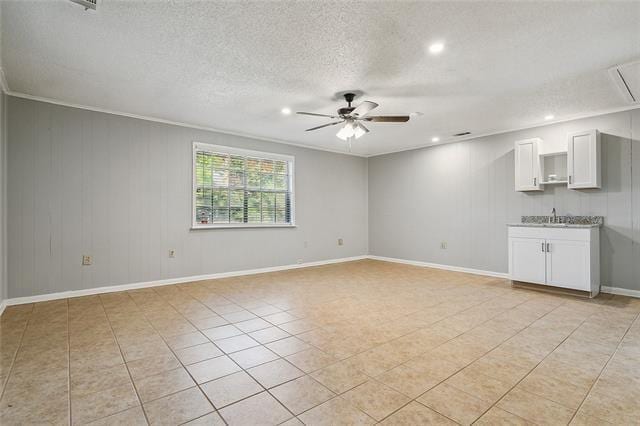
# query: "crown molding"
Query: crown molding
{"points": [[176, 123], [574, 117], [515, 129]]}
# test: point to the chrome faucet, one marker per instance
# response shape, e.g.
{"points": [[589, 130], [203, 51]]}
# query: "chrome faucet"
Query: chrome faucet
{"points": [[555, 217]]}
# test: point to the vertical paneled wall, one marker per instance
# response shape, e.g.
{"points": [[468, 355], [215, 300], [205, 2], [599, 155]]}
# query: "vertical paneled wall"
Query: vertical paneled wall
{"points": [[3, 203], [119, 189], [463, 193]]}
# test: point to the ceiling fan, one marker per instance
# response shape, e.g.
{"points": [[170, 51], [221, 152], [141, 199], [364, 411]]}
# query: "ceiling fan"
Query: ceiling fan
{"points": [[353, 117]]}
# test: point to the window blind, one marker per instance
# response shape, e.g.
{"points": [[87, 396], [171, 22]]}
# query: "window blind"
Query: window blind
{"points": [[239, 187]]}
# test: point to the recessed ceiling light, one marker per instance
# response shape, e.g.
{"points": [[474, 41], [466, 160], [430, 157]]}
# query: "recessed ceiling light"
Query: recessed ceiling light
{"points": [[286, 111], [435, 139], [435, 48], [549, 117]]}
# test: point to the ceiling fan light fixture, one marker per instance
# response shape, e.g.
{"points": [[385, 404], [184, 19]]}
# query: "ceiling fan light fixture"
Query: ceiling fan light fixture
{"points": [[346, 131], [360, 130], [353, 118]]}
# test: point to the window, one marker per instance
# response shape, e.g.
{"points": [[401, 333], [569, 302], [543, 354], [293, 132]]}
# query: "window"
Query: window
{"points": [[239, 188]]}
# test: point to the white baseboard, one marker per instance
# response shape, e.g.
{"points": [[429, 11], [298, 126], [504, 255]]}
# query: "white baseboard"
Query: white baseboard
{"points": [[180, 280], [440, 266], [603, 289], [620, 291]]}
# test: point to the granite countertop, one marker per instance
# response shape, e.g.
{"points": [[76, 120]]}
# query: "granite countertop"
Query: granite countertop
{"points": [[556, 225], [560, 222]]}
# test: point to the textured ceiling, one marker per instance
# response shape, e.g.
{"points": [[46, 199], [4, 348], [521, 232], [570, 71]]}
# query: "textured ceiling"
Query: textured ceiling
{"points": [[234, 65]]}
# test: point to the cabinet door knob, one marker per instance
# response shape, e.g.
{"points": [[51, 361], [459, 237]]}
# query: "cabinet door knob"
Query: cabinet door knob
{"points": [[543, 247], [547, 247], [535, 180]]}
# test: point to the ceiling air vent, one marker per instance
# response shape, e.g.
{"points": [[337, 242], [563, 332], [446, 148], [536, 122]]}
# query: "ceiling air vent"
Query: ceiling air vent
{"points": [[462, 134], [87, 4], [627, 78]]}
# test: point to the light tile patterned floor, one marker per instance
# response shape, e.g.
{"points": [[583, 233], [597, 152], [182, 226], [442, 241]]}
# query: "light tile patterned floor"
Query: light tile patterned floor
{"points": [[355, 343]]}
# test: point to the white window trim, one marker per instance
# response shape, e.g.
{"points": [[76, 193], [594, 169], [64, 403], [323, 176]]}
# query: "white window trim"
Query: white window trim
{"points": [[248, 153]]}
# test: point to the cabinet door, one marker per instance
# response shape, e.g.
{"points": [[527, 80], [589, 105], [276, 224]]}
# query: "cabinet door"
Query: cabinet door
{"points": [[527, 165], [527, 259], [583, 160], [568, 264]]}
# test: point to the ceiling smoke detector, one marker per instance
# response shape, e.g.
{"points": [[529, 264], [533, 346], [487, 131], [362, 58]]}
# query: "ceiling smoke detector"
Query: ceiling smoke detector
{"points": [[87, 4]]}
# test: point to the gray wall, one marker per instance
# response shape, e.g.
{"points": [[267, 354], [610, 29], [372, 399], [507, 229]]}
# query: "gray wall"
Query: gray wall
{"points": [[463, 193], [3, 204], [119, 189]]}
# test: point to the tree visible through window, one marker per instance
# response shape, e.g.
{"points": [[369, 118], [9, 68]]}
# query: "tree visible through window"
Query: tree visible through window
{"points": [[238, 187]]}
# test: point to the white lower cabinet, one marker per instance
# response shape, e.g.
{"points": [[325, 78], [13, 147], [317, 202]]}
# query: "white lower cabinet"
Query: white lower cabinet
{"points": [[567, 264], [556, 256], [527, 259]]}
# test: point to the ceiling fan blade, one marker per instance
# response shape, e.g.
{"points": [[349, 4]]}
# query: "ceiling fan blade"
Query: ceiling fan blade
{"points": [[388, 118], [363, 109], [360, 130], [317, 115], [324, 125]]}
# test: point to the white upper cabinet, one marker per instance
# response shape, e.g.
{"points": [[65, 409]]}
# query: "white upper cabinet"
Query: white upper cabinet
{"points": [[583, 160], [527, 165]]}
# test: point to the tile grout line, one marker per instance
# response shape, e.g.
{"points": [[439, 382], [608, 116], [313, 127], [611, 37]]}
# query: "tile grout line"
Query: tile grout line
{"points": [[15, 355], [404, 335], [216, 410], [164, 299], [457, 371], [453, 374], [593, 385], [336, 395], [265, 389], [125, 364], [142, 311], [545, 357], [196, 384], [223, 354], [320, 327]]}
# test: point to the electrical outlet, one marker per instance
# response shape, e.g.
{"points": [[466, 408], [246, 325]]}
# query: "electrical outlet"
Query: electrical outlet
{"points": [[87, 260], [443, 245], [340, 242], [172, 253]]}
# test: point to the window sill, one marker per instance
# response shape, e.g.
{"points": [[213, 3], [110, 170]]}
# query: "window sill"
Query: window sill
{"points": [[241, 226]]}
